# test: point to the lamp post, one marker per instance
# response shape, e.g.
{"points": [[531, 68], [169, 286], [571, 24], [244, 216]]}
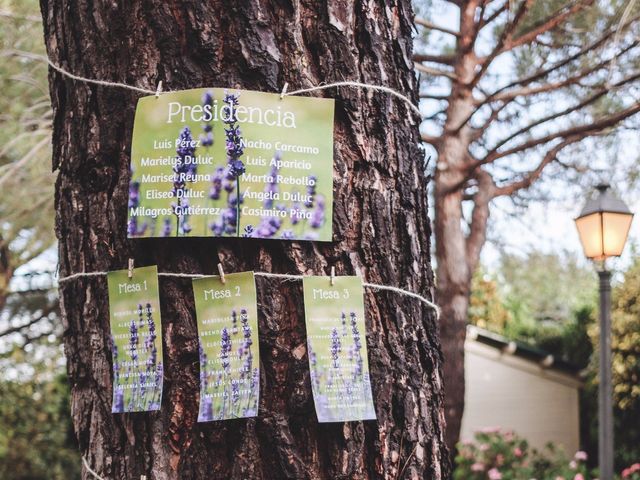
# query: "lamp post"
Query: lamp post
{"points": [[603, 226]]}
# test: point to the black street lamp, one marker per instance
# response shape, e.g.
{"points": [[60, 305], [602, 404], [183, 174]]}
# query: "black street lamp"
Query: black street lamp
{"points": [[603, 226]]}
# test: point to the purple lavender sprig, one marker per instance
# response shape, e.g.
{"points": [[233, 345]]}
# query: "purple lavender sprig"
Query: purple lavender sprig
{"points": [[216, 184], [317, 218], [233, 135], [184, 170], [118, 401], [234, 148], [133, 229], [357, 346], [166, 227], [133, 340], [206, 138], [311, 191], [225, 349], [336, 348]]}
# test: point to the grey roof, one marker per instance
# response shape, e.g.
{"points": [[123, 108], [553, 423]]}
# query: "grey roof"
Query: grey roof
{"points": [[604, 201], [523, 350]]}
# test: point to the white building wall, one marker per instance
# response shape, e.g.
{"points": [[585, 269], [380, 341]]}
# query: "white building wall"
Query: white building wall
{"points": [[537, 403]]}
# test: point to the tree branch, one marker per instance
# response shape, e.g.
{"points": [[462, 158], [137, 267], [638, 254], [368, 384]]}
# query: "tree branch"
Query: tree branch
{"points": [[431, 140], [587, 129], [526, 91], [479, 218], [504, 37], [45, 314], [545, 72], [534, 174], [432, 26], [589, 100], [433, 97], [426, 57], [499, 11], [544, 26], [434, 71]]}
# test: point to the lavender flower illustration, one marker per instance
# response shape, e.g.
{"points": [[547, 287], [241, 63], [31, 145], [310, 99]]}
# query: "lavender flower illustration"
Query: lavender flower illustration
{"points": [[133, 229], [206, 138], [133, 339], [166, 227], [335, 348], [138, 377], [235, 388], [184, 170], [229, 223], [339, 376]]}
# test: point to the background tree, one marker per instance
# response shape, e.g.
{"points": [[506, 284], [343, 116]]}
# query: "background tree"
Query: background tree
{"points": [[36, 436], [486, 307], [26, 229], [516, 91], [380, 224]]}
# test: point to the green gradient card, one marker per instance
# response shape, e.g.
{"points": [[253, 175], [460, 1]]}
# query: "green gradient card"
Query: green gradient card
{"points": [[336, 339], [136, 340], [229, 355], [232, 163]]}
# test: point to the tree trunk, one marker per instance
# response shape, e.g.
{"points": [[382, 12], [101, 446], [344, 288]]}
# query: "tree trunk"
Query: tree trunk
{"points": [[380, 224]]}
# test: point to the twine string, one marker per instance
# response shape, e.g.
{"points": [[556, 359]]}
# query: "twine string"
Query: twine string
{"points": [[281, 276], [159, 91]]}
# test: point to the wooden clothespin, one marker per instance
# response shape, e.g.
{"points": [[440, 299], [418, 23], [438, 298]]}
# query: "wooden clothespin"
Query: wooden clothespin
{"points": [[333, 275], [221, 272], [130, 269], [159, 89], [284, 90]]}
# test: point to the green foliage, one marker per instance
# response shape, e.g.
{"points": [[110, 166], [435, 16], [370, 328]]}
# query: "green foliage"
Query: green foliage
{"points": [[547, 287], [36, 441], [25, 134], [486, 309], [544, 299], [626, 340]]}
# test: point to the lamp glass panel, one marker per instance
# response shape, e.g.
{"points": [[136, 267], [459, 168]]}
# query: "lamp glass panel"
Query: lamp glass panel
{"points": [[616, 229], [590, 231]]}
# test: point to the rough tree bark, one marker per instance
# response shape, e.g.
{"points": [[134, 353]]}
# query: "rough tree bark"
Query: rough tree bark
{"points": [[380, 226]]}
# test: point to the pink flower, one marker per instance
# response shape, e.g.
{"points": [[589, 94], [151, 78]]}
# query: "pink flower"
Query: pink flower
{"points": [[631, 470], [499, 459], [580, 456], [573, 465], [483, 447], [559, 478], [578, 477], [494, 474], [517, 452], [477, 467]]}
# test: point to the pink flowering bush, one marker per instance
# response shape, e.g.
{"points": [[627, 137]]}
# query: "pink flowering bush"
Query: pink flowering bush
{"points": [[493, 455], [553, 463], [501, 455], [631, 473]]}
